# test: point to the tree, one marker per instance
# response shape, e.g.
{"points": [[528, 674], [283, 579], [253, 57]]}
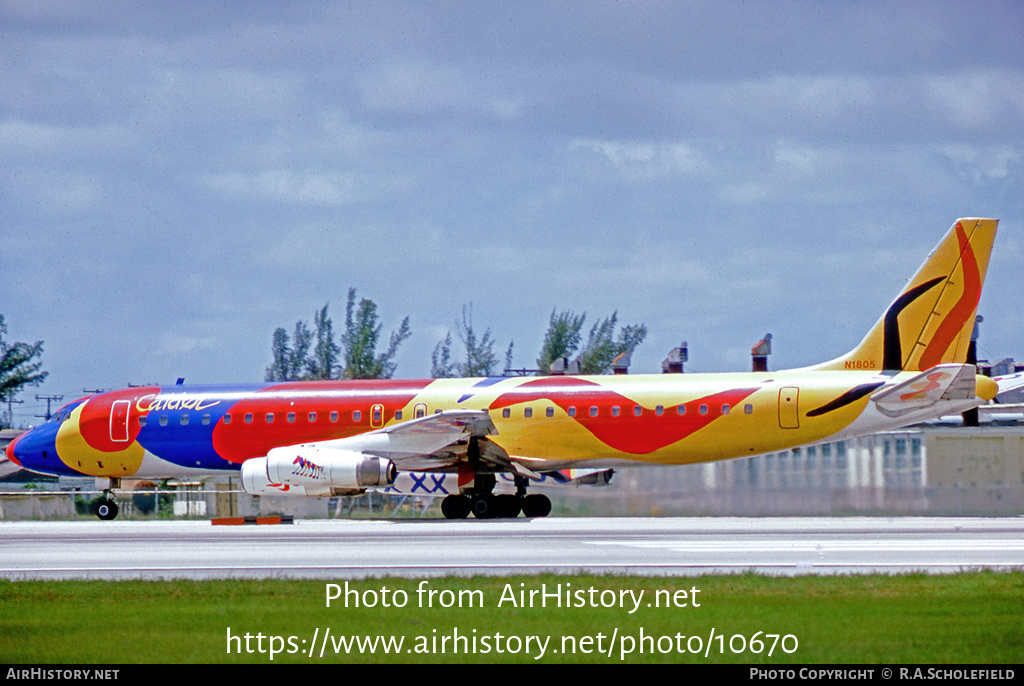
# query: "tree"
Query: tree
{"points": [[441, 365], [19, 366], [480, 359], [291, 361], [359, 342], [602, 349], [564, 335], [324, 362], [562, 338], [281, 350], [355, 358]]}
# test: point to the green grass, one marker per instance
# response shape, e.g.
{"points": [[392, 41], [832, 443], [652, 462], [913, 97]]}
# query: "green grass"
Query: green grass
{"points": [[963, 618]]}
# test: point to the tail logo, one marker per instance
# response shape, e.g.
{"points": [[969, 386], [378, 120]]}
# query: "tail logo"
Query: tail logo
{"points": [[961, 312]]}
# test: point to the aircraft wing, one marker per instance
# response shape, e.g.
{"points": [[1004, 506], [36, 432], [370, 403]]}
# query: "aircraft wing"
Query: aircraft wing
{"points": [[432, 442], [942, 382]]}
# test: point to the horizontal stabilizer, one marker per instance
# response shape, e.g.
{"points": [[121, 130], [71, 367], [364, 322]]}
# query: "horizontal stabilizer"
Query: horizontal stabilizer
{"points": [[942, 382], [1011, 382], [582, 477]]}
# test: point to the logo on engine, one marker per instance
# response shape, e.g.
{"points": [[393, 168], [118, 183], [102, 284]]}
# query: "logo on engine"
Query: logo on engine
{"points": [[306, 468]]}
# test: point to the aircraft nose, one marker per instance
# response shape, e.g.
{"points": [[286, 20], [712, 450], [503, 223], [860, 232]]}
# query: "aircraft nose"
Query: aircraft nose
{"points": [[10, 450], [35, 448]]}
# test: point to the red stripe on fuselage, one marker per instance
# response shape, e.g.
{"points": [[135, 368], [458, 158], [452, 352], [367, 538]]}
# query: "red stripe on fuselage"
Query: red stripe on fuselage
{"points": [[627, 432], [239, 441]]}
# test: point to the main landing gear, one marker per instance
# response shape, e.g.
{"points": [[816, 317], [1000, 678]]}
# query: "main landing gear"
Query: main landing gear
{"points": [[484, 504], [106, 509]]}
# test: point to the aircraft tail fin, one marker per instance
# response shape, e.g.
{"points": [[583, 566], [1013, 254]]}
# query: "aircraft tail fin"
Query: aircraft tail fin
{"points": [[931, 321]]}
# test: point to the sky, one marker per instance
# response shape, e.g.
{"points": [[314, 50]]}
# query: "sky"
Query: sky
{"points": [[177, 180]]}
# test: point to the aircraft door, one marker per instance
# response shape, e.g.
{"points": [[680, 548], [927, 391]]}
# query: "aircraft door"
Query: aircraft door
{"points": [[119, 420], [789, 398], [377, 416]]}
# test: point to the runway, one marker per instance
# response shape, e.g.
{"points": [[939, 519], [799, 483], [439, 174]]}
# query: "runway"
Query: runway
{"points": [[420, 548]]}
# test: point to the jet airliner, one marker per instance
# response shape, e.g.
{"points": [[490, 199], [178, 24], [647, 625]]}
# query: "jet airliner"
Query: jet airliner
{"points": [[325, 438]]}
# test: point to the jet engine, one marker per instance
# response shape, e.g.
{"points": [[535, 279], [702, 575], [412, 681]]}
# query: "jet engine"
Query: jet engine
{"points": [[315, 471]]}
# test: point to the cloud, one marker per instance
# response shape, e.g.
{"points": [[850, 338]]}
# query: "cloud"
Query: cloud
{"points": [[177, 345], [423, 87], [284, 185], [643, 161], [977, 99], [984, 163]]}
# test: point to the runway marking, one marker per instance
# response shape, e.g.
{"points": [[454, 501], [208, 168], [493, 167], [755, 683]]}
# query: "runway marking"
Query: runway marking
{"points": [[788, 546]]}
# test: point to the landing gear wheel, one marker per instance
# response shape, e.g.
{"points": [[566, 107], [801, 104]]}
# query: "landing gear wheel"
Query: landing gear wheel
{"points": [[508, 505], [106, 509], [485, 507], [455, 507], [536, 505]]}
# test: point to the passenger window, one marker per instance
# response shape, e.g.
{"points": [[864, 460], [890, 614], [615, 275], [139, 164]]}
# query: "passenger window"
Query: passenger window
{"points": [[398, 414], [270, 418], [637, 410], [290, 418], [227, 418], [659, 410], [357, 416], [206, 419], [184, 420], [376, 415], [248, 417], [142, 420], [506, 413], [681, 410], [615, 410], [528, 412], [312, 417], [726, 408], [334, 416], [748, 409], [593, 410], [549, 412], [572, 410], [703, 409]]}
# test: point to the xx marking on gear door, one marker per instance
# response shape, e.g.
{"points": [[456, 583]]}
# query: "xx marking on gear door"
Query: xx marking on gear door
{"points": [[789, 417]]}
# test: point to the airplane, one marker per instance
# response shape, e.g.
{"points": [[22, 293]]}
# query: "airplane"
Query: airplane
{"points": [[328, 438]]}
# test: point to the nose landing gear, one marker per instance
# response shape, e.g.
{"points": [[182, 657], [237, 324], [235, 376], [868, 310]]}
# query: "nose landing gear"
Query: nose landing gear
{"points": [[107, 509]]}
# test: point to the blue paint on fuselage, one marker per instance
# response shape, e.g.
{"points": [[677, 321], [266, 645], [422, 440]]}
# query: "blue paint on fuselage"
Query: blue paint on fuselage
{"points": [[190, 444]]}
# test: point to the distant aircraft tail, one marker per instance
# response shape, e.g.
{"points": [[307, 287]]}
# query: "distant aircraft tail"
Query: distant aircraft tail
{"points": [[931, 322]]}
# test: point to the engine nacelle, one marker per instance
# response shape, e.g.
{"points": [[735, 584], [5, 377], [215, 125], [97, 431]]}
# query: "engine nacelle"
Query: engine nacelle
{"points": [[317, 468], [256, 482]]}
